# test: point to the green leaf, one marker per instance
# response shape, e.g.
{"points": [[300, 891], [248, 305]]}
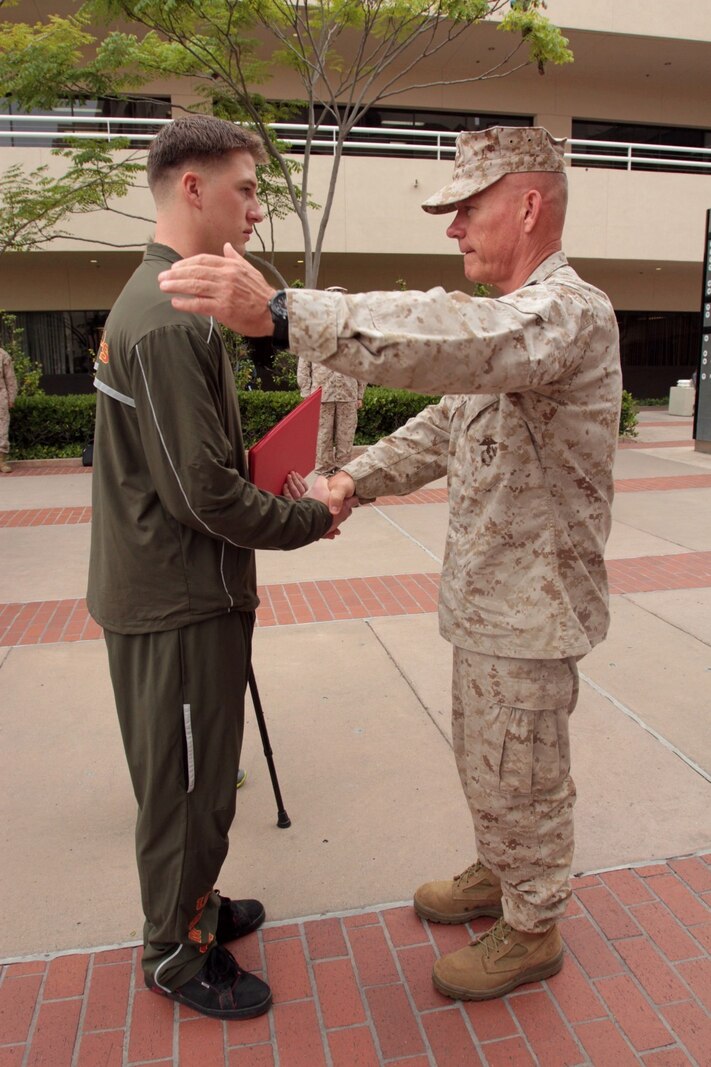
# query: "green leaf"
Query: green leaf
{"points": [[546, 44]]}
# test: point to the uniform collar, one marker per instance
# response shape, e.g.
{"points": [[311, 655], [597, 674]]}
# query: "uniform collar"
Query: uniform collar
{"points": [[162, 252], [546, 268]]}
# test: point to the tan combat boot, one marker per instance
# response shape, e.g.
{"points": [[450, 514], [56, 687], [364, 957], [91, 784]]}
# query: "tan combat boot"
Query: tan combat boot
{"points": [[500, 960], [474, 892], [5, 467]]}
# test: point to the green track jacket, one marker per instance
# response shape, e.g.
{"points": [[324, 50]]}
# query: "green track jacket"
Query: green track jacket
{"points": [[175, 519]]}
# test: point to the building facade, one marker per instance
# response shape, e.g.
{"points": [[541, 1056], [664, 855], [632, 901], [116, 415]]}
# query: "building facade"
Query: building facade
{"points": [[635, 104]]}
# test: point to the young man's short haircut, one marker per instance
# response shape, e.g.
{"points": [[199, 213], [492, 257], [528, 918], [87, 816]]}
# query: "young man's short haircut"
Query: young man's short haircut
{"points": [[199, 138]]}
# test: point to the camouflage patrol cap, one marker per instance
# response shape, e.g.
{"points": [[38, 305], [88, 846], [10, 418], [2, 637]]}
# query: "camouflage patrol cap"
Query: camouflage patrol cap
{"points": [[485, 156]]}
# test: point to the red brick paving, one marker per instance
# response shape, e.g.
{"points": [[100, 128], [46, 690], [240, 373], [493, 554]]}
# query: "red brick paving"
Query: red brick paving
{"points": [[45, 622], [685, 443], [355, 991], [678, 481], [646, 574], [33, 468], [48, 621], [75, 515], [45, 516], [681, 422], [622, 485]]}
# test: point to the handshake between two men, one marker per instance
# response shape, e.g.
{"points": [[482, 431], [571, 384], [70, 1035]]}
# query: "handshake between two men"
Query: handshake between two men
{"points": [[336, 492]]}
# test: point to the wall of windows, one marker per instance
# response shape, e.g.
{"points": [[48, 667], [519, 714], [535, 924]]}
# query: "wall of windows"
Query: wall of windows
{"points": [[136, 106], [415, 120], [63, 342], [657, 348], [638, 133]]}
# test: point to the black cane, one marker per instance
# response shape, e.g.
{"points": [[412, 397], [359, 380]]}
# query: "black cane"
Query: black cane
{"points": [[283, 820]]}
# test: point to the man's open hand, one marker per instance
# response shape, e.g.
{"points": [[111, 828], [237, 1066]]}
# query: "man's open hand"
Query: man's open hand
{"points": [[295, 486], [228, 288]]}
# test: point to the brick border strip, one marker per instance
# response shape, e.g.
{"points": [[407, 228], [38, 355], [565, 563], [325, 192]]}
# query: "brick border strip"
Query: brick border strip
{"points": [[649, 574], [686, 443], [49, 621], [285, 604], [24, 517], [23, 469], [69, 516]]}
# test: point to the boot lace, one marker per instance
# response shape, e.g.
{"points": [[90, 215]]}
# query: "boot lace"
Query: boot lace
{"points": [[475, 868], [497, 935]]}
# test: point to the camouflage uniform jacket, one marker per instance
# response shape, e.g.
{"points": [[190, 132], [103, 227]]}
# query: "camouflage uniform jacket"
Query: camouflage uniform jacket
{"points": [[334, 386], [527, 444], [8, 382]]}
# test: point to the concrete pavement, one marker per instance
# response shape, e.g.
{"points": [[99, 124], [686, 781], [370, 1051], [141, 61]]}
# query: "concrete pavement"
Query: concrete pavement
{"points": [[354, 679]]}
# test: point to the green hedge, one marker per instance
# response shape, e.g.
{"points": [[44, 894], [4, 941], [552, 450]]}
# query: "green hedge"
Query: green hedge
{"points": [[260, 410], [43, 426], [384, 410], [628, 415]]}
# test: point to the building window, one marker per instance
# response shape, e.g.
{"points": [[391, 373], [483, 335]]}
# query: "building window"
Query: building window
{"points": [[659, 338], [384, 119], [630, 133], [657, 348], [63, 342], [105, 107]]}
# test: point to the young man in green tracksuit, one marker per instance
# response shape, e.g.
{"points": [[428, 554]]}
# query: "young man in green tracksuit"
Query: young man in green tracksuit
{"points": [[172, 576]]}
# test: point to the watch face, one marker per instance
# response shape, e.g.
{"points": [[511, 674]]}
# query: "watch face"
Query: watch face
{"points": [[280, 318], [277, 305]]}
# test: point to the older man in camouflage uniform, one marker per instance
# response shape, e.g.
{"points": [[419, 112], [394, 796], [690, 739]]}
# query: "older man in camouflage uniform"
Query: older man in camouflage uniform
{"points": [[8, 395], [527, 440]]}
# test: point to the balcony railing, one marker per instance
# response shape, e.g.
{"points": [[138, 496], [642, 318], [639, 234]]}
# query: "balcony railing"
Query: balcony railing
{"points": [[56, 130]]}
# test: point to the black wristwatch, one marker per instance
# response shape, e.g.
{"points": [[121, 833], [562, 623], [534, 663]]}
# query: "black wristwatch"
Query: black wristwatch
{"points": [[280, 318]]}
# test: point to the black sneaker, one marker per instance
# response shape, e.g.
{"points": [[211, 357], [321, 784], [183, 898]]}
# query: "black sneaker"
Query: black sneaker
{"points": [[221, 989], [237, 918]]}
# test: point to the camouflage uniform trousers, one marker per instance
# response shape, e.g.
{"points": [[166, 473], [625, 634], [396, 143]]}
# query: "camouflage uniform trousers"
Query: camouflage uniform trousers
{"points": [[511, 744], [4, 425], [336, 430]]}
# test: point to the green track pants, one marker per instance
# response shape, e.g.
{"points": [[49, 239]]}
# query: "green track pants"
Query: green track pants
{"points": [[180, 701]]}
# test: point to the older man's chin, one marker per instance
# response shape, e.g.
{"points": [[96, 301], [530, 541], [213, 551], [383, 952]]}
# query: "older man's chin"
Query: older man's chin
{"points": [[472, 268]]}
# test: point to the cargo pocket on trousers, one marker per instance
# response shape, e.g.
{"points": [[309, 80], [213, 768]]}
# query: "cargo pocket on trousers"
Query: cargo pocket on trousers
{"points": [[535, 751]]}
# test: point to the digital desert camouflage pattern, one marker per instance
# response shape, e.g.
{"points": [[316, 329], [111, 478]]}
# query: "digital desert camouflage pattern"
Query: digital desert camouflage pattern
{"points": [[340, 394], [526, 437], [485, 156], [8, 395], [336, 432], [511, 745], [335, 387]]}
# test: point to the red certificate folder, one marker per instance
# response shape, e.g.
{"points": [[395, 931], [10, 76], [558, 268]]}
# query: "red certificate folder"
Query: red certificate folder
{"points": [[289, 446]]}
